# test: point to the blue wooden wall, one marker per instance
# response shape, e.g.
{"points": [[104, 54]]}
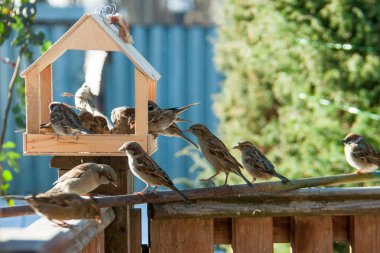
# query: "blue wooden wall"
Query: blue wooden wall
{"points": [[183, 56]]}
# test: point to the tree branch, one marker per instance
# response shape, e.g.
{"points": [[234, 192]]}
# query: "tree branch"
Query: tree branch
{"points": [[10, 98]]}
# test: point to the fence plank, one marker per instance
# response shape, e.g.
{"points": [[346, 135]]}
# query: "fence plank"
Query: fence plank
{"points": [[135, 230], [222, 231], [312, 234], [96, 245], [251, 235], [365, 233], [180, 235]]}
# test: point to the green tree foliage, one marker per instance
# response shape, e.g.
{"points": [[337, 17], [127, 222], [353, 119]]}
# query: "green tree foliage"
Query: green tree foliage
{"points": [[293, 69], [16, 28]]}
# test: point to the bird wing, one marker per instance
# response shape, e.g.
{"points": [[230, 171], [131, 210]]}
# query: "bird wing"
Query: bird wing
{"points": [[149, 167], [73, 173], [93, 67], [259, 161], [366, 153], [218, 149]]}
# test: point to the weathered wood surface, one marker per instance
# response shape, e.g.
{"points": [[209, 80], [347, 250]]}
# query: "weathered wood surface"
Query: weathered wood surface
{"points": [[96, 245], [315, 201], [324, 201], [182, 235], [312, 234], [252, 235], [365, 234], [43, 236], [135, 240]]}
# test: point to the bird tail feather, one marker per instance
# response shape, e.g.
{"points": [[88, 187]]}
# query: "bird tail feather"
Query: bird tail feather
{"points": [[283, 179]]}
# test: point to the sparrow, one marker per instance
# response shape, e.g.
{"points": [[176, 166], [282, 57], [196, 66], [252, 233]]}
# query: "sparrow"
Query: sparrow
{"points": [[256, 163], [96, 124], [121, 117], [160, 119], [174, 131], [84, 178], [359, 154], [65, 121], [216, 153], [122, 25], [58, 207], [146, 169], [93, 67]]}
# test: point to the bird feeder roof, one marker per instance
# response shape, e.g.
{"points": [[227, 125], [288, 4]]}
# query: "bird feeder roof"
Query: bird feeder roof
{"points": [[91, 32]]}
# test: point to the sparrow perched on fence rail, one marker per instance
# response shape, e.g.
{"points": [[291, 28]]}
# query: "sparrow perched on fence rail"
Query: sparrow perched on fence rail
{"points": [[65, 121], [256, 163], [216, 153], [360, 155], [84, 178], [58, 207], [146, 169]]}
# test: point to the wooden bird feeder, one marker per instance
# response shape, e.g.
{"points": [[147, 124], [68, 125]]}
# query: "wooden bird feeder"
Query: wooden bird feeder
{"points": [[91, 32]]}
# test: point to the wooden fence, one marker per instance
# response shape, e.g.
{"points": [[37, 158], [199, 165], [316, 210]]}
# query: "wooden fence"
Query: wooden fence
{"points": [[311, 220]]}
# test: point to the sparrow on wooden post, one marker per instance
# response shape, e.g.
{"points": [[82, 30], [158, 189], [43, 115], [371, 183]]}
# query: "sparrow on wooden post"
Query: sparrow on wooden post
{"points": [[58, 207], [146, 169], [256, 163], [65, 121], [360, 155], [84, 178], [216, 153]]}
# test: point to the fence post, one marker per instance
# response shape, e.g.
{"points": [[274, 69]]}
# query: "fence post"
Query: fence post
{"points": [[365, 233], [312, 234], [252, 235], [117, 235]]}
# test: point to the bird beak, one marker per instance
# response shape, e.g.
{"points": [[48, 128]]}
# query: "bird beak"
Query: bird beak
{"points": [[344, 141], [188, 130], [236, 147], [121, 149], [98, 219]]}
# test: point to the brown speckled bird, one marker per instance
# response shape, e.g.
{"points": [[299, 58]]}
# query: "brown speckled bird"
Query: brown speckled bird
{"points": [[256, 163], [174, 131], [216, 153], [360, 155], [146, 169], [121, 117], [65, 121], [58, 207], [96, 124], [84, 178]]}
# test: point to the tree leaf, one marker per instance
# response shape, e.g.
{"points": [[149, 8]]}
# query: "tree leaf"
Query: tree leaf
{"points": [[9, 144], [7, 176]]}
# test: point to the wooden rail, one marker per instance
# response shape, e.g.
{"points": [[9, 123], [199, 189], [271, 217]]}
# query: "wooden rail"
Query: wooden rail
{"points": [[44, 236]]}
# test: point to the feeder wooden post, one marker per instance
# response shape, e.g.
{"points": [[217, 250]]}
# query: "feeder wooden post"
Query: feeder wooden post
{"points": [[46, 93], [119, 233], [32, 90]]}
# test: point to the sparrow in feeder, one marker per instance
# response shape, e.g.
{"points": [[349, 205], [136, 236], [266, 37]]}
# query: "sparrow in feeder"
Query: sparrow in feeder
{"points": [[146, 169], [174, 131], [96, 124], [256, 163], [160, 119], [58, 207], [121, 117], [65, 121], [216, 153], [360, 155], [84, 178]]}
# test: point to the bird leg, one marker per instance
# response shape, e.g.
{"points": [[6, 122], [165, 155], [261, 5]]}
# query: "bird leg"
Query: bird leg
{"points": [[154, 191], [253, 180], [209, 179], [360, 171], [225, 182], [61, 223], [143, 191]]}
